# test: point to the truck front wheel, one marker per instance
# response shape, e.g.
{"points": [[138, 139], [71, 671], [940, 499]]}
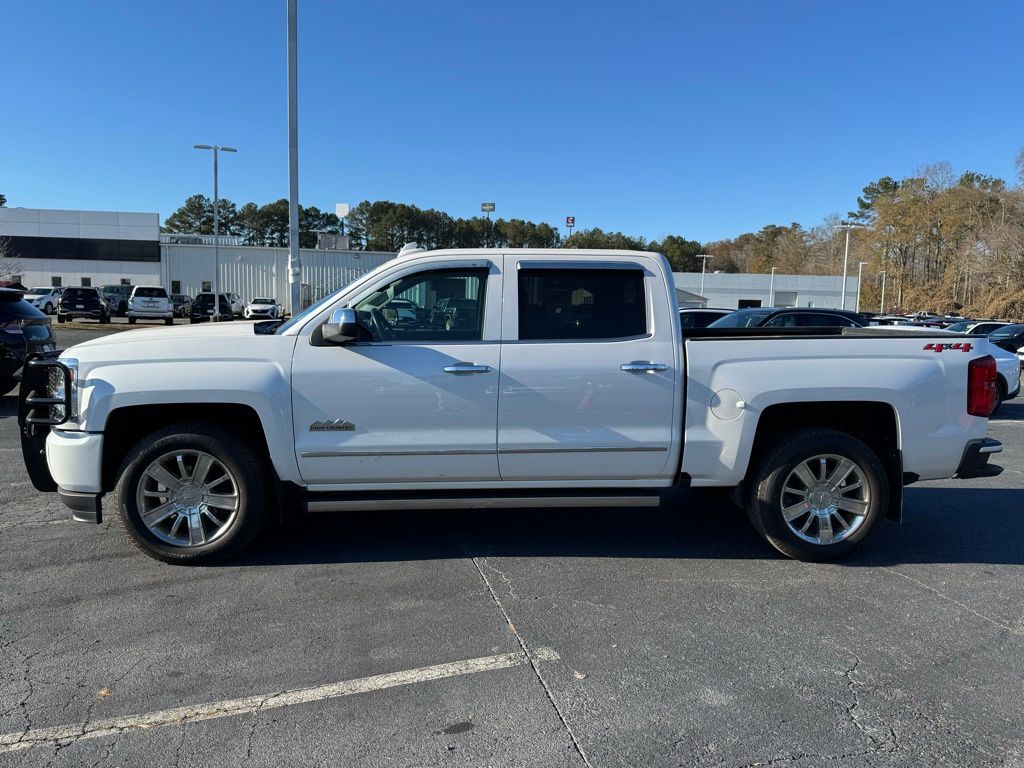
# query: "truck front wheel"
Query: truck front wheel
{"points": [[818, 495], [192, 494]]}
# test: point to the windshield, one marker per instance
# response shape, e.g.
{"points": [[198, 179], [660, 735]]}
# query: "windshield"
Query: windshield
{"points": [[264, 301], [959, 327], [311, 309], [38, 291], [740, 320]]}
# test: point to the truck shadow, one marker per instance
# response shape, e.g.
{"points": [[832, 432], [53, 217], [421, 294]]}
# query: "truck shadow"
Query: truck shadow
{"points": [[940, 525]]}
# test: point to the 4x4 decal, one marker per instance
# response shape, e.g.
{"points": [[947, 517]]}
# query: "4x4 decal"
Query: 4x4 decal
{"points": [[963, 346]]}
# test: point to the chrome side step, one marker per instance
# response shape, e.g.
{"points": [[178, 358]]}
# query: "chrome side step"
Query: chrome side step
{"points": [[355, 503]]}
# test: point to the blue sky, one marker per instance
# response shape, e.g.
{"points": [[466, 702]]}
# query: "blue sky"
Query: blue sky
{"points": [[702, 119]]}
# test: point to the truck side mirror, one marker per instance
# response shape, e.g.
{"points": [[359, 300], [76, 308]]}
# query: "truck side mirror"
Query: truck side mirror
{"points": [[341, 328]]}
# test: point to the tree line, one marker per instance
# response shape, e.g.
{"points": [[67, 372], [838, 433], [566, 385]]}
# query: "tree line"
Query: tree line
{"points": [[387, 226], [265, 225], [945, 242]]}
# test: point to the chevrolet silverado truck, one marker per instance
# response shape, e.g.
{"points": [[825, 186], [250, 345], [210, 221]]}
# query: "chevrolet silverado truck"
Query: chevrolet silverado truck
{"points": [[572, 386]]}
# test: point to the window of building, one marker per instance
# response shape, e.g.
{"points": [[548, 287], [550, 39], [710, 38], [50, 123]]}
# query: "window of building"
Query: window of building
{"points": [[176, 286], [437, 305], [86, 282], [126, 281], [55, 281], [581, 303], [207, 286], [747, 303]]}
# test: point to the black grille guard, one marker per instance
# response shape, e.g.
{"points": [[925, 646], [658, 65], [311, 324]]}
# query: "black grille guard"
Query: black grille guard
{"points": [[35, 413]]}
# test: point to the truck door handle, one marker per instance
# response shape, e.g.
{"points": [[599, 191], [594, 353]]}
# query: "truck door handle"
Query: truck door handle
{"points": [[467, 368], [638, 366]]}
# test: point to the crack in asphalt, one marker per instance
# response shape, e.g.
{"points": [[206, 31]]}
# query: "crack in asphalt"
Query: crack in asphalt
{"points": [[886, 743], [995, 622], [522, 644]]}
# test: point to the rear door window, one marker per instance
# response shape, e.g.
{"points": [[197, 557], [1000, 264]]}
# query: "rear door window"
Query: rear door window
{"points": [[581, 304], [823, 320]]}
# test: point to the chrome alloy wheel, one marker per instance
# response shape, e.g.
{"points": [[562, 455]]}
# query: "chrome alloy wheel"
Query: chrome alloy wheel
{"points": [[187, 498], [825, 499]]}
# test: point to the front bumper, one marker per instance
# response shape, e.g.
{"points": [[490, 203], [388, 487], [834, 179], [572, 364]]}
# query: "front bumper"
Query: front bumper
{"points": [[974, 462], [75, 460]]}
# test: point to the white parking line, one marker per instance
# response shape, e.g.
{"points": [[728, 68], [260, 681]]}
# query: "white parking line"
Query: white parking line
{"points": [[67, 734]]}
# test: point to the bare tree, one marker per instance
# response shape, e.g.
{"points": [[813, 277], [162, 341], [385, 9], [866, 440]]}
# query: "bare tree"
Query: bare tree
{"points": [[10, 266]]}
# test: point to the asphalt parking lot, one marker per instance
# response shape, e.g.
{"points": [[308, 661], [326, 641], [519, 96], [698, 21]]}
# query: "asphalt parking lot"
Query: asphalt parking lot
{"points": [[672, 637]]}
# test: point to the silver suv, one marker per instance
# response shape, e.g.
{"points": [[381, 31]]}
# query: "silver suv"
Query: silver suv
{"points": [[150, 302]]}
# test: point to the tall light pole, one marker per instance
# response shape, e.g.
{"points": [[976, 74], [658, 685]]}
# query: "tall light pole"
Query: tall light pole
{"points": [[703, 268], [294, 257], [216, 226], [860, 273], [846, 254], [771, 289], [881, 304]]}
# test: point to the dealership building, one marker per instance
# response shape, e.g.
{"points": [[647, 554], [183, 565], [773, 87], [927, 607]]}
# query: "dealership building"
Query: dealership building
{"points": [[95, 248], [739, 290]]}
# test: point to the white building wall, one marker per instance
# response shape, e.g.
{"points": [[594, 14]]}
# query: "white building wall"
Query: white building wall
{"points": [[251, 271], [111, 225], [40, 272], [726, 290]]}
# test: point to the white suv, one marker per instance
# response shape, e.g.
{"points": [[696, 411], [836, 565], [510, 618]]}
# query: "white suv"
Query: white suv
{"points": [[150, 302], [45, 299]]}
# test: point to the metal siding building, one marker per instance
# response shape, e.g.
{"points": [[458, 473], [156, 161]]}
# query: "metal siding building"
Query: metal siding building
{"points": [[732, 290], [254, 271]]}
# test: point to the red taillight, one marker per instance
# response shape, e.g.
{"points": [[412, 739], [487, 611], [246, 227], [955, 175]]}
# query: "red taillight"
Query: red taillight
{"points": [[981, 386]]}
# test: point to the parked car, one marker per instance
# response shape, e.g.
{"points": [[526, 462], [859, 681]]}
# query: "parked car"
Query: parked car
{"points": [[82, 302], [116, 297], [237, 304], [574, 390], [203, 308], [150, 302], [791, 317], [976, 327], [1009, 337], [263, 308], [700, 317], [1008, 375], [45, 299], [23, 329], [452, 314], [181, 304]]}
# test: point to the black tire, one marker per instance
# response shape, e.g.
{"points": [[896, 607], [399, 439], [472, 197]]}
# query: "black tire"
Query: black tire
{"points": [[764, 502], [104, 319], [60, 318], [1000, 396], [48, 309], [168, 321], [192, 321], [250, 473], [7, 384], [131, 321]]}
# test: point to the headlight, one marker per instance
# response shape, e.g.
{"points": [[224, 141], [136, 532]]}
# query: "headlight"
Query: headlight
{"points": [[56, 386]]}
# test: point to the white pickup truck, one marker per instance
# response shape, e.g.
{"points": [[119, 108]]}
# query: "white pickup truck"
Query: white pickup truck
{"points": [[489, 379]]}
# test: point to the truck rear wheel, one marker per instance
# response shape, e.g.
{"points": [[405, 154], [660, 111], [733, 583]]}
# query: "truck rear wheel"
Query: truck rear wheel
{"points": [[818, 495], [192, 494]]}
